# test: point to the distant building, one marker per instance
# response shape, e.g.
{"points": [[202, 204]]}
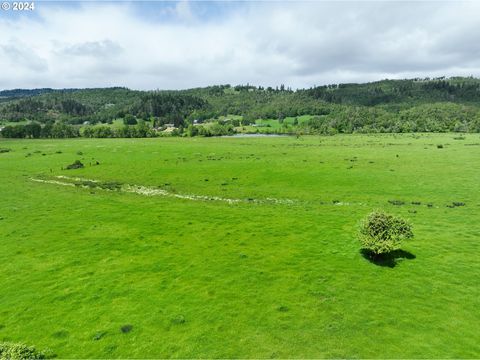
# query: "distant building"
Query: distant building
{"points": [[168, 128]]}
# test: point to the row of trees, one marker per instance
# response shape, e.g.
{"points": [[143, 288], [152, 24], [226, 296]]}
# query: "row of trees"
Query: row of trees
{"points": [[141, 130], [215, 129], [35, 130], [441, 117], [60, 130]]}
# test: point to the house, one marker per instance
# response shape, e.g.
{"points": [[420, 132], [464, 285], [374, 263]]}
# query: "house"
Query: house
{"points": [[168, 128]]}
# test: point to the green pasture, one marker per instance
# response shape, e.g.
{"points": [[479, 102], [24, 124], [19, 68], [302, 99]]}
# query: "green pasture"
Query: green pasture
{"points": [[277, 274], [275, 123]]}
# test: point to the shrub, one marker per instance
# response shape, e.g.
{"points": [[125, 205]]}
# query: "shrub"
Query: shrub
{"points": [[15, 351], [396, 202], [99, 335], [126, 328], [113, 185], [129, 119], [382, 233], [178, 320], [76, 165]]}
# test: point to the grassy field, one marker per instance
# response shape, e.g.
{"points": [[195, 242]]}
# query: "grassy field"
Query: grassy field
{"points": [[245, 248], [275, 124]]}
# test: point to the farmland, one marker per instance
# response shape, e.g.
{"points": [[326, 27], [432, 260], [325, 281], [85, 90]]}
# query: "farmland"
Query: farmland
{"points": [[239, 247]]}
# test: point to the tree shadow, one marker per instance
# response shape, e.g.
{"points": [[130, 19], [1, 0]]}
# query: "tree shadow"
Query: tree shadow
{"points": [[388, 260]]}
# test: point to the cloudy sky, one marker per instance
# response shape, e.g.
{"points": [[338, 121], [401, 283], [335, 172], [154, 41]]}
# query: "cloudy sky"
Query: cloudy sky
{"points": [[174, 45]]}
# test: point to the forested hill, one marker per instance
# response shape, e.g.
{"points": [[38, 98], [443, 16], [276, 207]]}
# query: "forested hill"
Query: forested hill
{"points": [[440, 104], [19, 93], [462, 90]]}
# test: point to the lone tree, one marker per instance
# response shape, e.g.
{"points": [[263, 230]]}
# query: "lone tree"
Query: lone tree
{"points": [[381, 233]]}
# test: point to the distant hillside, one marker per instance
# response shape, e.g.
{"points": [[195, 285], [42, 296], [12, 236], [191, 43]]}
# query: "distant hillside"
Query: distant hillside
{"points": [[19, 93], [440, 104], [460, 90]]}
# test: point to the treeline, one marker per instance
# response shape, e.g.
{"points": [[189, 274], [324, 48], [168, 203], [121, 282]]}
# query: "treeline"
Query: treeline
{"points": [[141, 130], [438, 104], [215, 129], [439, 117], [18, 93], [61, 131], [36, 131], [461, 90]]}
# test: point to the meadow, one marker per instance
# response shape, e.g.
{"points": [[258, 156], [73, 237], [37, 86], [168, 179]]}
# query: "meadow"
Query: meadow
{"points": [[239, 247]]}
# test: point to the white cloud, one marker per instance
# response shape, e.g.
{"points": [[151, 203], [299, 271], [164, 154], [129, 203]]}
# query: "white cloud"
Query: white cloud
{"points": [[100, 49], [18, 55], [298, 44]]}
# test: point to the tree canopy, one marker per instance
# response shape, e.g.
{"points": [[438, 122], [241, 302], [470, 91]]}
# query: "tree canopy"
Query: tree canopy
{"points": [[414, 105]]}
